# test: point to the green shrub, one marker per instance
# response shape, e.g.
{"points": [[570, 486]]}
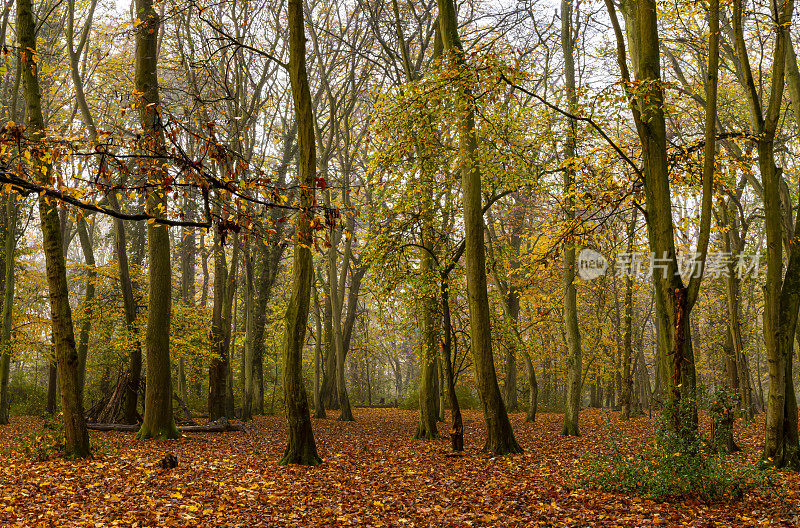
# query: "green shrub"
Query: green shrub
{"points": [[671, 467]]}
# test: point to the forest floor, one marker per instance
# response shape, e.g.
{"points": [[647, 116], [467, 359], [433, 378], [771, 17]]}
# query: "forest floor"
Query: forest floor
{"points": [[373, 474]]}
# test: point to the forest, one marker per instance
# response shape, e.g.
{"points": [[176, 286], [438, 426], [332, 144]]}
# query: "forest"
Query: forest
{"points": [[399, 263]]}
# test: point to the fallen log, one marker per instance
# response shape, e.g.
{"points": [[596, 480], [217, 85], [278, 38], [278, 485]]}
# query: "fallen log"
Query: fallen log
{"points": [[112, 427], [214, 427], [381, 405]]}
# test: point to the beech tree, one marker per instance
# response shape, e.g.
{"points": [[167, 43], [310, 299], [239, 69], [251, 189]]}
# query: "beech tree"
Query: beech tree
{"points": [[158, 419], [500, 437], [781, 294], [77, 438], [674, 299], [571, 330], [301, 448]]}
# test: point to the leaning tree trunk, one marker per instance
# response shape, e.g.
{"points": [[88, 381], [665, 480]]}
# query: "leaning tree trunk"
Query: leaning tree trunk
{"points": [[301, 448], [77, 439], [158, 418], [500, 436]]}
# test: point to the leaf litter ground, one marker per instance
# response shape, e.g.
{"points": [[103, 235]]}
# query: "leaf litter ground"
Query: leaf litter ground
{"points": [[373, 474]]}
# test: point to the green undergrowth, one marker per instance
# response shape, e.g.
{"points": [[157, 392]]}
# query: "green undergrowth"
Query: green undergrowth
{"points": [[668, 468]]}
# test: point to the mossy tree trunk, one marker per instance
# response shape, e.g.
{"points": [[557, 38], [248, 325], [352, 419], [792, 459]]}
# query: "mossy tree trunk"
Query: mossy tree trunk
{"points": [[674, 299], [571, 330], [300, 448], [6, 316], [500, 436], [158, 418], [781, 293], [77, 439]]}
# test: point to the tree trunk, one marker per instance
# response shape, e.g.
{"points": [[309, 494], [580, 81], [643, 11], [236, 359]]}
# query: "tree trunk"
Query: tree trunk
{"points": [[188, 287], [739, 368], [301, 448], [77, 439], [533, 389], [571, 330], [512, 299], [88, 300], [52, 383], [158, 418], [336, 286], [429, 319], [500, 437], [249, 345], [127, 285], [228, 320], [674, 300], [781, 294], [428, 315], [456, 423], [204, 266], [267, 260], [319, 408], [328, 390], [627, 349], [6, 318], [218, 368]]}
